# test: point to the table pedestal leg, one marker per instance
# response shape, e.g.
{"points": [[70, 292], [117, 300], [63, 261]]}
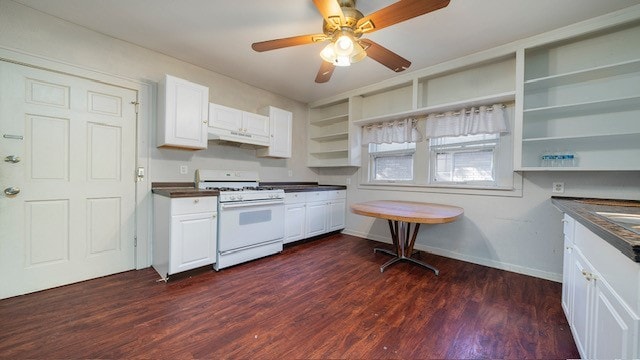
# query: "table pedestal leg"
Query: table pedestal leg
{"points": [[403, 241]]}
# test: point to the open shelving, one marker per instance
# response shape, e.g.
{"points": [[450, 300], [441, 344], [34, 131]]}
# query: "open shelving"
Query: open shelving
{"points": [[331, 137], [508, 96], [582, 95]]}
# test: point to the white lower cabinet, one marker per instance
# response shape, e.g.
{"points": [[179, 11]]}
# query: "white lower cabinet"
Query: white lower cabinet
{"points": [[601, 296], [295, 209], [313, 213], [316, 217], [185, 233], [337, 210]]}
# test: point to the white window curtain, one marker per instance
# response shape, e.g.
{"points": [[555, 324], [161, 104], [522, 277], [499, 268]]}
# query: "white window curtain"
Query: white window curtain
{"points": [[477, 120], [397, 131]]}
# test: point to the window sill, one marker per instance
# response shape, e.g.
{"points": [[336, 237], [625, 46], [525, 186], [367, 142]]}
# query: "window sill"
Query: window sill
{"points": [[506, 191]]}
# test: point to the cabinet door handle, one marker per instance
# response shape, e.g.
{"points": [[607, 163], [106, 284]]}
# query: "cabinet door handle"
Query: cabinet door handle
{"points": [[214, 216]]}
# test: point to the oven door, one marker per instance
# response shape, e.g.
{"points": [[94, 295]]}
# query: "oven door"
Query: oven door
{"points": [[245, 224]]}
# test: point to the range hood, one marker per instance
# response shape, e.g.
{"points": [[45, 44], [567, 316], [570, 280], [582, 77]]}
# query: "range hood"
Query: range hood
{"points": [[224, 135]]}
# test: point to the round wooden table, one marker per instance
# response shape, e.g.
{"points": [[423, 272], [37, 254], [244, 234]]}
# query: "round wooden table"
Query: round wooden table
{"points": [[401, 215]]}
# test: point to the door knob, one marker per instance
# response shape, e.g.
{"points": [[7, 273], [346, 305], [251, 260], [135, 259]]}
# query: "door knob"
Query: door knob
{"points": [[11, 191], [12, 159]]}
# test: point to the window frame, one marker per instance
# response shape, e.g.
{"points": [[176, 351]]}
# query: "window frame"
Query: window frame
{"points": [[460, 147], [508, 182], [384, 153]]}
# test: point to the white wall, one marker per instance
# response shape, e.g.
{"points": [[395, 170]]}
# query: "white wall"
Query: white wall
{"points": [[27, 30]]}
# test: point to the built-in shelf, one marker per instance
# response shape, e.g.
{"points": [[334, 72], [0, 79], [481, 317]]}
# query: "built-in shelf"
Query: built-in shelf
{"points": [[331, 137], [456, 105], [598, 72], [331, 120], [329, 152], [581, 95], [585, 108], [579, 137]]}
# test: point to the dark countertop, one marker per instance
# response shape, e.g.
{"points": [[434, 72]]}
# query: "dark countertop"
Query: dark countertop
{"points": [[304, 186], [180, 190], [188, 189], [582, 210]]}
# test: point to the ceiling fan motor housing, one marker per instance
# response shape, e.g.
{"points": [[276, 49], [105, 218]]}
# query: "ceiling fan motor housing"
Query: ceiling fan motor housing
{"points": [[337, 26]]}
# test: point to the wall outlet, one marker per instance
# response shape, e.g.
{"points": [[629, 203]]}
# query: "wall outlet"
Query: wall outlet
{"points": [[290, 173], [348, 182], [558, 187], [184, 169]]}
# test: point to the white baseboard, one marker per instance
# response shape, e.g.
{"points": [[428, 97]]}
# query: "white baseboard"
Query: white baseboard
{"points": [[468, 258]]}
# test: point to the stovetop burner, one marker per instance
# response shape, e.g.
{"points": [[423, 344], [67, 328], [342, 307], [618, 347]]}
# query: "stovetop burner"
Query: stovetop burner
{"points": [[235, 186], [244, 188]]}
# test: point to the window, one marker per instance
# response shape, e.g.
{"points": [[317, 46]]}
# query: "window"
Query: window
{"points": [[467, 164], [391, 162], [464, 159]]}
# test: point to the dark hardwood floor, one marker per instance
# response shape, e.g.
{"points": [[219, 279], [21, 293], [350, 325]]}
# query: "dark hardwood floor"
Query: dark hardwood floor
{"points": [[321, 299]]}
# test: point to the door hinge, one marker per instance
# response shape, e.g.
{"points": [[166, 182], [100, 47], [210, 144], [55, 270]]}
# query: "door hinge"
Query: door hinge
{"points": [[135, 241], [136, 104]]}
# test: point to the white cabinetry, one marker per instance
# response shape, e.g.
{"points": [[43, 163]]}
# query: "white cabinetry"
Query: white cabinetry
{"points": [[295, 205], [185, 233], [581, 96], [336, 209], [280, 132], [182, 114], [317, 213], [231, 124], [313, 213], [602, 296]]}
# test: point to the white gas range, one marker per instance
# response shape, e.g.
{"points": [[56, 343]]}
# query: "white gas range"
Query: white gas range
{"points": [[250, 217]]}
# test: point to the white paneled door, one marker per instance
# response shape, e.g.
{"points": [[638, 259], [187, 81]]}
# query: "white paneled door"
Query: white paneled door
{"points": [[67, 159]]}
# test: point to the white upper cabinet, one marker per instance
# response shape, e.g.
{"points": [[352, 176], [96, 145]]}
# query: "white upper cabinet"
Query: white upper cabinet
{"points": [[182, 114], [223, 117], [280, 132], [235, 125]]}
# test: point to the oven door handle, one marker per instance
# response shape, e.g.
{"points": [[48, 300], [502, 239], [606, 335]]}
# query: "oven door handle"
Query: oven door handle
{"points": [[251, 204]]}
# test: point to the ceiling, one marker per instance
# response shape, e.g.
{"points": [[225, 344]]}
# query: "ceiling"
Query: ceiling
{"points": [[217, 35]]}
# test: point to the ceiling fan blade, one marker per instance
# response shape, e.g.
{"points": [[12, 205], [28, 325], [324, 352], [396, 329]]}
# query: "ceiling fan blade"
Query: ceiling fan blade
{"points": [[286, 42], [325, 72], [398, 12], [331, 12], [385, 56]]}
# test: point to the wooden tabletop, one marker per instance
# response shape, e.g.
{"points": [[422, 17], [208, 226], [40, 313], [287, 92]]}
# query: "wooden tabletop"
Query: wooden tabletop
{"points": [[409, 211]]}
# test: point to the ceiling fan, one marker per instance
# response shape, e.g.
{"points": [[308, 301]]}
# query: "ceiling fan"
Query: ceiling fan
{"points": [[344, 26]]}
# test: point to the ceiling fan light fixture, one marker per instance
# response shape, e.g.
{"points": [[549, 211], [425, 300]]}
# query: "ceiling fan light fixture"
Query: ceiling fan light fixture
{"points": [[344, 51], [344, 45], [358, 53], [330, 55]]}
